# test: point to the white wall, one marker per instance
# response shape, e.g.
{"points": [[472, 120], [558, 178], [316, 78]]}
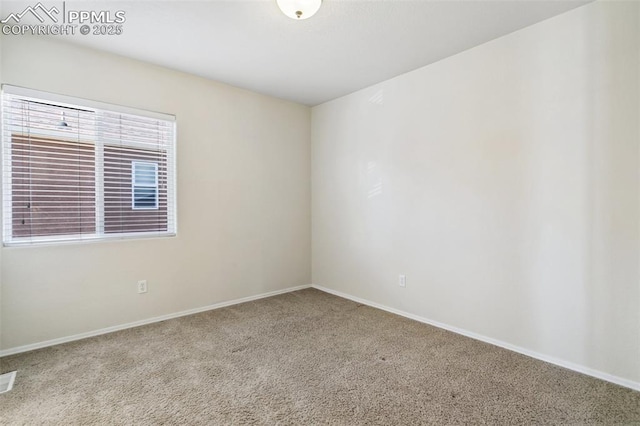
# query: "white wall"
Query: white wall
{"points": [[243, 201], [503, 182]]}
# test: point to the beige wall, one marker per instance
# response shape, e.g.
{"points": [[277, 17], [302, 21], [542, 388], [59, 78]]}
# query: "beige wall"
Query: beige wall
{"points": [[243, 202], [1, 332], [503, 182]]}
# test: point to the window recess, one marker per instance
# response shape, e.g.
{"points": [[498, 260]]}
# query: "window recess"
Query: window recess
{"points": [[80, 170]]}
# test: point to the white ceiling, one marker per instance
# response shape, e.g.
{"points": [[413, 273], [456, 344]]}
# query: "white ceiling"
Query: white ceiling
{"points": [[346, 46]]}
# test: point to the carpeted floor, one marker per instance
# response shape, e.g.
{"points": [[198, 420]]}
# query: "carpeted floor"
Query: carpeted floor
{"points": [[300, 358]]}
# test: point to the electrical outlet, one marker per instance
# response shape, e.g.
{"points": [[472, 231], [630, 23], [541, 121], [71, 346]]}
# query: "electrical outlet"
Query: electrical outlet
{"points": [[402, 280], [142, 286]]}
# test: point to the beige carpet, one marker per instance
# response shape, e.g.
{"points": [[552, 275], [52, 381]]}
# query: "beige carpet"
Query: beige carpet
{"points": [[300, 358]]}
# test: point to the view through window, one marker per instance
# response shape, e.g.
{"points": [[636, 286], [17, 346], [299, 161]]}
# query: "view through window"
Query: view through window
{"points": [[76, 171]]}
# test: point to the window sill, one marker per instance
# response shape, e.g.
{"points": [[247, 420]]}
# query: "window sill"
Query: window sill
{"points": [[68, 240]]}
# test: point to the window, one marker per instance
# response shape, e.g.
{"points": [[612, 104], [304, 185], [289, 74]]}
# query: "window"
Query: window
{"points": [[82, 170], [144, 186]]}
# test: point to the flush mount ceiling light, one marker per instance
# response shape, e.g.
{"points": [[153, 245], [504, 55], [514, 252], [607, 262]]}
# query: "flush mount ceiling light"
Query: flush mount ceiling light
{"points": [[299, 9]]}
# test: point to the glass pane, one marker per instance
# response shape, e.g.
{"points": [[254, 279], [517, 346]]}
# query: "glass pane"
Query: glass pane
{"points": [[52, 187], [145, 173], [144, 197]]}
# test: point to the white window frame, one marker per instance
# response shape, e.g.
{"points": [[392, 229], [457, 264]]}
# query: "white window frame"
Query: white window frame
{"points": [[99, 235], [155, 185]]}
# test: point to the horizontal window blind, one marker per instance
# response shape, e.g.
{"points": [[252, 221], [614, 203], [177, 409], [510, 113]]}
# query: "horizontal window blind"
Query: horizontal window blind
{"points": [[69, 170]]}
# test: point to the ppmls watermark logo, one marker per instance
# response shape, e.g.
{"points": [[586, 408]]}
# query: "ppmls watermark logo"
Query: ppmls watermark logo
{"points": [[42, 20]]}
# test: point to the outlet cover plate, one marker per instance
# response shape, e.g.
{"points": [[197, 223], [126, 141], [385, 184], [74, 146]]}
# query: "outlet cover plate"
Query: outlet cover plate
{"points": [[402, 280]]}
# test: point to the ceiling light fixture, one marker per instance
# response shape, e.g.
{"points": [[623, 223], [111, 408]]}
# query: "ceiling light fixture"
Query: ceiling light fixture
{"points": [[299, 9]]}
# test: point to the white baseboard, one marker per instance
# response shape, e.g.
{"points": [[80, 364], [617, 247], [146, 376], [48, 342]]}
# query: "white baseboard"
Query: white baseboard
{"points": [[552, 360], [40, 345]]}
